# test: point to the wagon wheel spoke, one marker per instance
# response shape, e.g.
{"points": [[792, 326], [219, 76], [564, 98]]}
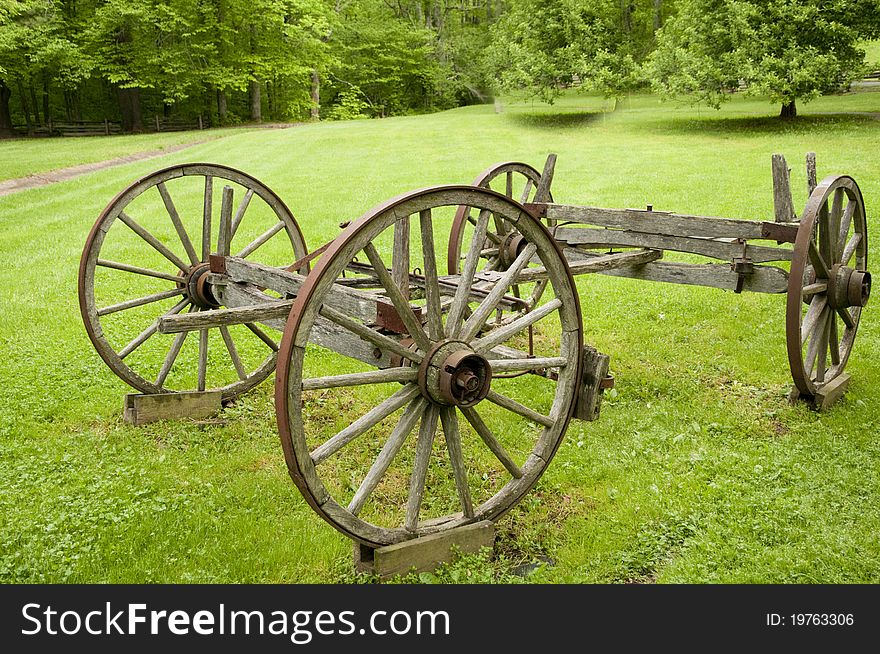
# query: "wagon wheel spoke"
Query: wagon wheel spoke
{"points": [[203, 358], [137, 270], [512, 405], [432, 287], [233, 352], [822, 269], [384, 376], [847, 318], [424, 445], [379, 340], [526, 191], [451, 432], [138, 302], [811, 319], [170, 358], [462, 293], [834, 340], [152, 240], [397, 299], [239, 213], [392, 446], [263, 336], [260, 241], [141, 338], [498, 336], [850, 249], [491, 442], [845, 224], [178, 225], [365, 422]]}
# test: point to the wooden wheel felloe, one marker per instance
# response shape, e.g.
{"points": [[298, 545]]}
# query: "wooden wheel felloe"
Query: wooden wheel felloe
{"points": [[448, 363], [829, 283], [147, 257]]}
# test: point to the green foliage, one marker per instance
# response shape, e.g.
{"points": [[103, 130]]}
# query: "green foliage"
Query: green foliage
{"points": [[784, 49]]}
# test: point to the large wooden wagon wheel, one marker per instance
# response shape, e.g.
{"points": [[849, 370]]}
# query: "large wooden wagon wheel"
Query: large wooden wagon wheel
{"points": [[147, 257], [502, 413], [828, 285]]}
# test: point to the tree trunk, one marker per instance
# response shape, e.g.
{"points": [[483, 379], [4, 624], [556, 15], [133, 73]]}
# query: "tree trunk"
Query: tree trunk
{"points": [[38, 121], [47, 115], [789, 110], [658, 18], [221, 106], [5, 116], [254, 92], [25, 109], [316, 95], [130, 108]]}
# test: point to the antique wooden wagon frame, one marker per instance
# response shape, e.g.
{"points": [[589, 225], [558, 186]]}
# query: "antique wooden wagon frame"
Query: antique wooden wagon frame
{"points": [[497, 337]]}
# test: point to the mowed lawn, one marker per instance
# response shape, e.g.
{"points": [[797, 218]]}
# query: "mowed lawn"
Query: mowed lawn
{"points": [[698, 470]]}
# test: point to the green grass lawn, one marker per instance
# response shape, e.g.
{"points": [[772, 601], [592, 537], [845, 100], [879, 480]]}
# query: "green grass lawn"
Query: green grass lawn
{"points": [[698, 470], [25, 156]]}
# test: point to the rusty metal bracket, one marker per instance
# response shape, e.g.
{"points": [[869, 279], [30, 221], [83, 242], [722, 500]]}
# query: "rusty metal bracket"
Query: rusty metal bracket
{"points": [[780, 232], [388, 319], [742, 266], [537, 209]]}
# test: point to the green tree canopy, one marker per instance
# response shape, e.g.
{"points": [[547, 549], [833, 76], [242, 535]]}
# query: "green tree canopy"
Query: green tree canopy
{"points": [[788, 50]]}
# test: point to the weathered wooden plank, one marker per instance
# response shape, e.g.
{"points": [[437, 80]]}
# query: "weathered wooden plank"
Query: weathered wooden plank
{"points": [[272, 309], [812, 182], [723, 250], [783, 208], [595, 264], [655, 222], [590, 391], [542, 193], [224, 237], [400, 255], [141, 409], [763, 279], [424, 554]]}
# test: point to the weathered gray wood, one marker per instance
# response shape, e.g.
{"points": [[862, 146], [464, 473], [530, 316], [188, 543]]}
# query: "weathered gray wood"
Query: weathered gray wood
{"points": [[812, 183], [424, 445], [224, 237], [522, 364], [383, 376], [656, 222], [259, 333], [487, 306], [373, 417], [152, 240], [542, 193], [783, 208], [233, 352], [178, 225], [491, 442], [817, 307], [203, 359], [462, 293], [207, 211], [278, 309], [845, 224], [828, 394], [521, 409], [594, 371], [142, 409], [725, 250], [371, 335], [401, 304], [850, 248], [498, 336], [392, 446], [147, 272], [426, 553], [763, 279], [400, 255], [596, 264], [170, 358], [140, 301], [451, 433], [261, 240], [239, 213], [432, 287], [141, 338]]}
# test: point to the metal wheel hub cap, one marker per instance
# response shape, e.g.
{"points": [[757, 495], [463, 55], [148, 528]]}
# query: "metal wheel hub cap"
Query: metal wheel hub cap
{"points": [[511, 248], [195, 280], [848, 287], [453, 374]]}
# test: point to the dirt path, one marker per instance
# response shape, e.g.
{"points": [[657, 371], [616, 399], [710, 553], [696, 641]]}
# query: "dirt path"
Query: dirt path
{"points": [[36, 180]]}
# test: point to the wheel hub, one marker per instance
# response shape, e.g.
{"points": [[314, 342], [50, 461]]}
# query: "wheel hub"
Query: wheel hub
{"points": [[513, 245], [453, 374], [195, 281], [848, 287]]}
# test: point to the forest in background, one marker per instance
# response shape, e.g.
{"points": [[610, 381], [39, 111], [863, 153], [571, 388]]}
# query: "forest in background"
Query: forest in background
{"points": [[225, 62]]}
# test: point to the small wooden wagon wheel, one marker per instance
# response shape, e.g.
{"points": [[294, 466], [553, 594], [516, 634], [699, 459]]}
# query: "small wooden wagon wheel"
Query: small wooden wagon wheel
{"points": [[346, 437], [828, 285], [516, 180], [147, 257]]}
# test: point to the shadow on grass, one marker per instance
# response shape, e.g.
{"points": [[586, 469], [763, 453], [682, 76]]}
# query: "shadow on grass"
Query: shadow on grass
{"points": [[554, 119], [761, 126]]}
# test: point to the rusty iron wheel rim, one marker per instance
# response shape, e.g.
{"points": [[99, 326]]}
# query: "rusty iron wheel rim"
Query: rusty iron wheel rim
{"points": [[483, 180], [95, 240], [822, 231], [289, 400]]}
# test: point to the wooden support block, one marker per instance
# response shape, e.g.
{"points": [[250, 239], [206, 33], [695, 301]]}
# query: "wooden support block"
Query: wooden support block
{"points": [[783, 207], [423, 554], [593, 384], [141, 409], [826, 396]]}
